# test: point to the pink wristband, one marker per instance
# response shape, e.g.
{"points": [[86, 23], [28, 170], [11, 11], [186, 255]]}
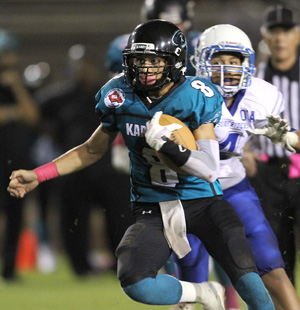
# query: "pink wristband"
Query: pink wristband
{"points": [[46, 172]]}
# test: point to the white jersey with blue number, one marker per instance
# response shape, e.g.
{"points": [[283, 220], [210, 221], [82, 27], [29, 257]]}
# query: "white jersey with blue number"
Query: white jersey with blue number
{"points": [[195, 102], [248, 111]]}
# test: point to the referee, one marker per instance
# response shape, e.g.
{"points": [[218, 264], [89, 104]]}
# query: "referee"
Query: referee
{"points": [[277, 181]]}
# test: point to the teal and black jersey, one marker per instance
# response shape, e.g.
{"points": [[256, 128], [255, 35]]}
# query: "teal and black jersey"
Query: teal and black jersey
{"points": [[195, 102]]}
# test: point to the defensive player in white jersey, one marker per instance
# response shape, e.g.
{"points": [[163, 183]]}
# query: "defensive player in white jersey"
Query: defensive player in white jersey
{"points": [[165, 204], [225, 56]]}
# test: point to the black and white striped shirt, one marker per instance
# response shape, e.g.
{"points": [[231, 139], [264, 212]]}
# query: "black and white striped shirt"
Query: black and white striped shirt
{"points": [[288, 83]]}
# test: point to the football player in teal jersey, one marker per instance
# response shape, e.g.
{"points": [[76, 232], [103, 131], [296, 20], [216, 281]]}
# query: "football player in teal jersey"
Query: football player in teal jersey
{"points": [[165, 204]]}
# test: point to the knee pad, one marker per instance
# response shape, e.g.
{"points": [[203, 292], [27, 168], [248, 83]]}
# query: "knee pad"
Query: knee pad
{"points": [[233, 231], [141, 253], [241, 252], [125, 253], [241, 260]]}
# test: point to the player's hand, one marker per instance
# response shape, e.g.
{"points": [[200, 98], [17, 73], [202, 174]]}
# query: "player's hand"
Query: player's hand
{"points": [[277, 130], [22, 182], [156, 135]]}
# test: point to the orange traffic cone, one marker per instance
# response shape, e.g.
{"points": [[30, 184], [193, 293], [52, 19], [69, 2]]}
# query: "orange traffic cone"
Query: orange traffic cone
{"points": [[27, 249]]}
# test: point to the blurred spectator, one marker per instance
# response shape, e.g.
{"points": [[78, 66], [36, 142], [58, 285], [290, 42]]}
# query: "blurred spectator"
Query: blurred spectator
{"points": [[178, 12], [68, 110], [37, 75], [18, 116], [276, 178]]}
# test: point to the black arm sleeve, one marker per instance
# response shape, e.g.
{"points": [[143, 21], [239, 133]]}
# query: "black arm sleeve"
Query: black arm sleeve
{"points": [[178, 154]]}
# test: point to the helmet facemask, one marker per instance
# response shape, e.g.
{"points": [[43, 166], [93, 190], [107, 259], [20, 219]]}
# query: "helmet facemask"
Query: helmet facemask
{"points": [[143, 77], [155, 38], [227, 40], [137, 76], [246, 70]]}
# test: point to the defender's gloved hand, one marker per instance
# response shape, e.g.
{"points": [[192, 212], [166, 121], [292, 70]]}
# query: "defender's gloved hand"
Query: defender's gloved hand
{"points": [[278, 131], [156, 135]]}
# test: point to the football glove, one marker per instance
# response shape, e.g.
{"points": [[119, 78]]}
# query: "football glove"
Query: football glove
{"points": [[157, 135], [278, 131]]}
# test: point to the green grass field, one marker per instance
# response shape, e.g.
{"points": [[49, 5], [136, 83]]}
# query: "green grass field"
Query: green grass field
{"points": [[61, 290]]}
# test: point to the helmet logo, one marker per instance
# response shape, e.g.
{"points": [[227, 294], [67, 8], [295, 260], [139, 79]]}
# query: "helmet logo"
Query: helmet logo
{"points": [[231, 43], [114, 98], [142, 47], [178, 39], [177, 51]]}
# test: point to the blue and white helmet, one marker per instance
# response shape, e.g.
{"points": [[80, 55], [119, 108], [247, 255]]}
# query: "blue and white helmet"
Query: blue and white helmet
{"points": [[225, 38]]}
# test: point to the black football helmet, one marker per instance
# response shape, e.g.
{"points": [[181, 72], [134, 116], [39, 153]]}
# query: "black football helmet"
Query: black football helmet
{"points": [[159, 38], [174, 11]]}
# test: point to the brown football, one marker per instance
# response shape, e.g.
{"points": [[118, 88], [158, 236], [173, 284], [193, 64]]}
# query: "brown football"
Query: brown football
{"points": [[182, 136]]}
